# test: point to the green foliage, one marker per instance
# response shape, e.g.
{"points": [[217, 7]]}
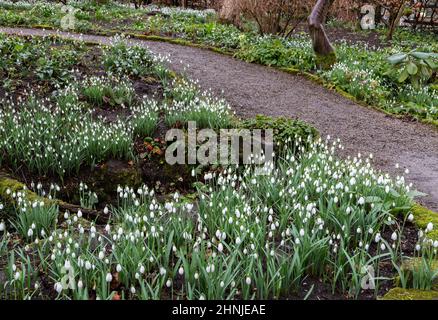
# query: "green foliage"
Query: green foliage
{"points": [[415, 67], [108, 91], [38, 59], [286, 131]]}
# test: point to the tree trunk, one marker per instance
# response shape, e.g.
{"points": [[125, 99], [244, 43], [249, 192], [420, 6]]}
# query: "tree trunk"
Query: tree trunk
{"points": [[325, 53], [396, 21]]}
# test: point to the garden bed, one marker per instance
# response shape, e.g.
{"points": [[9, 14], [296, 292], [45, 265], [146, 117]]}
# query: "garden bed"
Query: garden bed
{"points": [[303, 227]]}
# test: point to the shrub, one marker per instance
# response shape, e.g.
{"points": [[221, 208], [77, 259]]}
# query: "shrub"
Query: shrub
{"points": [[286, 131], [416, 67]]}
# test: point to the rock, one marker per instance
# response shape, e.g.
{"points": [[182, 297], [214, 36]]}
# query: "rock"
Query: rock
{"points": [[410, 294]]}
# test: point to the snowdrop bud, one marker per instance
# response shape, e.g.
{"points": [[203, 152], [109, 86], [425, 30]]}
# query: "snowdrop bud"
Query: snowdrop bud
{"points": [[142, 269], [79, 213], [168, 283], [382, 247], [181, 271], [105, 210], [109, 277], [411, 217], [132, 290], [220, 247], [2, 226], [394, 236], [58, 287], [80, 284], [429, 227], [196, 276], [248, 280], [119, 268]]}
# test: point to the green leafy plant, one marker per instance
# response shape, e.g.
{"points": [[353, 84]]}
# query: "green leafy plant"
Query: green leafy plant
{"points": [[416, 67]]}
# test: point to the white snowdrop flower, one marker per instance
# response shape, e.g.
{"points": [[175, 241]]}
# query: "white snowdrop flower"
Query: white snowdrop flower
{"points": [[168, 283], [17, 275], [411, 217], [358, 230], [382, 246], [101, 255], [238, 240], [58, 287], [105, 210], [302, 232], [80, 284], [435, 244], [222, 284], [79, 213], [119, 268], [220, 247], [181, 271], [30, 233], [2, 226], [377, 238], [418, 247], [109, 277], [67, 265], [162, 271], [394, 236], [196, 276], [429, 227], [361, 201], [87, 265], [248, 281], [132, 290], [142, 269]]}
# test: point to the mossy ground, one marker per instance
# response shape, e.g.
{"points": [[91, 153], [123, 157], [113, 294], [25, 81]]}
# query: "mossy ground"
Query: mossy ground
{"points": [[410, 294], [422, 217]]}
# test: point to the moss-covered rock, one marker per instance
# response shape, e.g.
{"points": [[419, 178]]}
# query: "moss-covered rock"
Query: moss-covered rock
{"points": [[422, 217], [9, 187], [410, 294], [105, 179]]}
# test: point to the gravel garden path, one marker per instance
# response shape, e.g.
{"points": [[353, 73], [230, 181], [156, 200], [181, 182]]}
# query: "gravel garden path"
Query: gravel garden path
{"points": [[253, 89]]}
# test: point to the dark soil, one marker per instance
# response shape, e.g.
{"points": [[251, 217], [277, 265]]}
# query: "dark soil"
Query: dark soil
{"points": [[371, 38]]}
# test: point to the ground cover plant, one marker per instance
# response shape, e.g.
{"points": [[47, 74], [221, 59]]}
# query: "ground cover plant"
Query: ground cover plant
{"points": [[363, 71], [239, 234]]}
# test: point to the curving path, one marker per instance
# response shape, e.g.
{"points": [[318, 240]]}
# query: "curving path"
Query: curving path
{"points": [[253, 89]]}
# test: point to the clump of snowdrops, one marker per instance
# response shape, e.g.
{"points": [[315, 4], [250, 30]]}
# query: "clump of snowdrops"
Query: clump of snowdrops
{"points": [[253, 233]]}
